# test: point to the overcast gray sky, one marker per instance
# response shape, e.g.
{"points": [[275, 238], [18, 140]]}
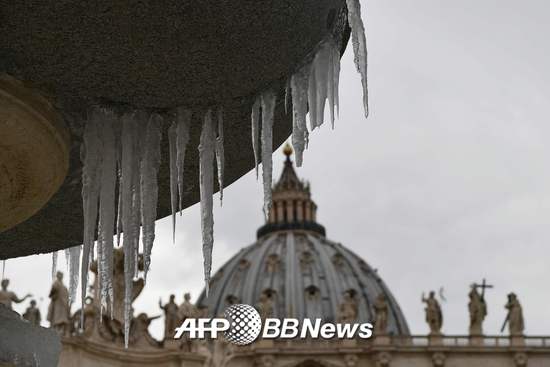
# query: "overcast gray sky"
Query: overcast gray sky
{"points": [[447, 182]]}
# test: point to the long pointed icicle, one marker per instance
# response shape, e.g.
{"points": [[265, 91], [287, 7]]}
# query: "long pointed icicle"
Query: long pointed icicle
{"points": [[206, 162], [149, 187], [107, 202], [130, 213], [255, 120], [321, 70], [119, 204], [336, 79], [172, 142], [141, 120], [359, 42], [312, 97], [90, 155], [268, 111], [183, 121], [299, 86], [220, 155], [333, 76]]}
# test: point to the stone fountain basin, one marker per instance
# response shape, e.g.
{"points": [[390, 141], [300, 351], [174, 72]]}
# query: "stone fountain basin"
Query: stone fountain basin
{"points": [[155, 55]]}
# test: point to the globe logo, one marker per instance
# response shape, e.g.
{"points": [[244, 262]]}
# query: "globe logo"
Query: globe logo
{"points": [[245, 324]]}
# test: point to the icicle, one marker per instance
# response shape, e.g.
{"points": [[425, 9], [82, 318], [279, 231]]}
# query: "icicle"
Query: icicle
{"points": [[299, 87], [90, 156], [182, 138], [220, 159], [3, 269], [336, 79], [149, 187], [206, 161], [255, 119], [321, 70], [74, 267], [172, 135], [333, 75], [119, 205], [312, 97], [107, 203], [268, 111], [359, 42], [131, 127], [141, 120]]}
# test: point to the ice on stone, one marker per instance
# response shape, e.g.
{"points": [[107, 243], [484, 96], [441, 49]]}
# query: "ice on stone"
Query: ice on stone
{"points": [[220, 155], [172, 143], [206, 168], [149, 186], [255, 120], [268, 99], [107, 202], [183, 121], [299, 86], [90, 155], [359, 42]]}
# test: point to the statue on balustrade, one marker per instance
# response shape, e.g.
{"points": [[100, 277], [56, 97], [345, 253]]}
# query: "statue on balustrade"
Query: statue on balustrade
{"points": [[8, 297], [171, 317], [32, 314], [59, 309], [514, 319], [348, 309], [478, 311], [381, 311], [434, 316]]}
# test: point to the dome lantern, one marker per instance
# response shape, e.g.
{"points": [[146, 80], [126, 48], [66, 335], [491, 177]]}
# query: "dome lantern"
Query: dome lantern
{"points": [[293, 270], [292, 208]]}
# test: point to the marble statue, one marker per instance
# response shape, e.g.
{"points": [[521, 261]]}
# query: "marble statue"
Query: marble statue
{"points": [[381, 310], [32, 314], [478, 310], [59, 308], [272, 263], [186, 309], [347, 311], [9, 297], [514, 319], [434, 316], [171, 317], [139, 332]]}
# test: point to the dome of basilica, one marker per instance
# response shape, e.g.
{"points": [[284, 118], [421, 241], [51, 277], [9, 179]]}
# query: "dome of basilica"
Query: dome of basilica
{"points": [[294, 270]]}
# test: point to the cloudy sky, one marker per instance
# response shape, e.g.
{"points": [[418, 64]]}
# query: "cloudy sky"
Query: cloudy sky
{"points": [[446, 183]]}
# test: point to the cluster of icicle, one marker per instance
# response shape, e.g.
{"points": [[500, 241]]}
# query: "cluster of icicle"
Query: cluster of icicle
{"points": [[210, 149], [119, 154], [121, 151], [310, 87]]}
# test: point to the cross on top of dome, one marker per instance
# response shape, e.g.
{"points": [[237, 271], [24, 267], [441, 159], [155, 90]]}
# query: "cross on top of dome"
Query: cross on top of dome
{"points": [[289, 179]]}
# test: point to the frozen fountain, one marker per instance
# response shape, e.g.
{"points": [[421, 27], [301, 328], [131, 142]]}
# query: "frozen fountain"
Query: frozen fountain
{"points": [[122, 113]]}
